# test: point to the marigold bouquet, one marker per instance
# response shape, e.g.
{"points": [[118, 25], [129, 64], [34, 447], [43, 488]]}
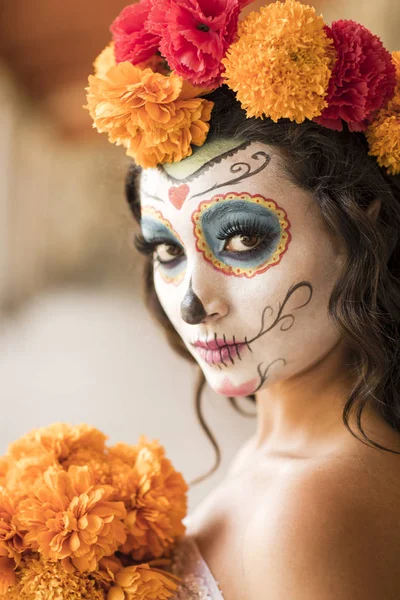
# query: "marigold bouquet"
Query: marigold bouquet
{"points": [[80, 520]]}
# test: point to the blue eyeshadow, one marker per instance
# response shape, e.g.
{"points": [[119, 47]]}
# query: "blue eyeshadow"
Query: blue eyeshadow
{"points": [[242, 216], [157, 233]]}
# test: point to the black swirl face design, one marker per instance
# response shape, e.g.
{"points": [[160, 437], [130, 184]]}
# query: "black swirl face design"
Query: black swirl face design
{"points": [[228, 350]]}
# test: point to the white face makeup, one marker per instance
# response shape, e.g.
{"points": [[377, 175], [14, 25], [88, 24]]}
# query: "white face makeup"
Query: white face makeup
{"points": [[244, 265]]}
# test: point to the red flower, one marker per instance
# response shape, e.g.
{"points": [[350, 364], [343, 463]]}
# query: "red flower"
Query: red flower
{"points": [[133, 41], [195, 35], [363, 78]]}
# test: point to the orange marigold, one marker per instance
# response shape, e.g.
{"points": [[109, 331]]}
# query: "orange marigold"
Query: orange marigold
{"points": [[71, 519], [148, 113], [383, 134], [7, 575], [157, 504], [105, 61], [124, 452], [59, 439], [46, 580], [11, 532], [142, 582], [109, 566], [5, 464], [98, 463], [383, 137], [281, 64], [27, 473], [394, 103], [396, 60]]}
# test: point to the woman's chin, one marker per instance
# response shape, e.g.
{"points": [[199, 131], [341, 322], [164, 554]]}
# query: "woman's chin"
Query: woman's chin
{"points": [[229, 385]]}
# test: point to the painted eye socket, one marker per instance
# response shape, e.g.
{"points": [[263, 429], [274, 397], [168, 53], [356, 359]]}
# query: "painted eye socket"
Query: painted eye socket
{"points": [[159, 241], [168, 254], [241, 234]]}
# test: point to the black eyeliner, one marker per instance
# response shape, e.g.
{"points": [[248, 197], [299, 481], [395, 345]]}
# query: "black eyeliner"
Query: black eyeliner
{"points": [[148, 248], [248, 228]]}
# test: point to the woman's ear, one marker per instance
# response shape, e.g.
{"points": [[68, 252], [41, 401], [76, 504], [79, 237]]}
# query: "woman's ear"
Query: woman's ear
{"points": [[374, 208]]}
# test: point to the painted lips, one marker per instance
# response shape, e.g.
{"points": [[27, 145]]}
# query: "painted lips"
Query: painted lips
{"points": [[220, 351]]}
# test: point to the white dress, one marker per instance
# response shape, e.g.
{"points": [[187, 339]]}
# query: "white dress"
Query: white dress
{"points": [[198, 581]]}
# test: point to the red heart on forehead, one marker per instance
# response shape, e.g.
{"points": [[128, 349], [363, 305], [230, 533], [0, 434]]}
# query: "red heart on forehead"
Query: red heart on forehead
{"points": [[178, 195]]}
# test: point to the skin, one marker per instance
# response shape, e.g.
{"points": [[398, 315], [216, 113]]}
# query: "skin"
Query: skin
{"points": [[294, 359], [287, 350]]}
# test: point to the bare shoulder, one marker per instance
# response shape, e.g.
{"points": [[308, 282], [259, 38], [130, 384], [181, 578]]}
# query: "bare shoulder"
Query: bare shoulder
{"points": [[332, 533]]}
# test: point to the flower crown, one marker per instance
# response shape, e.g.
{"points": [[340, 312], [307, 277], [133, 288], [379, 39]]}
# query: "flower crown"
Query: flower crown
{"points": [[149, 91]]}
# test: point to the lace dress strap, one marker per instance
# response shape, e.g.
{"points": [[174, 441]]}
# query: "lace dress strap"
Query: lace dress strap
{"points": [[198, 581]]}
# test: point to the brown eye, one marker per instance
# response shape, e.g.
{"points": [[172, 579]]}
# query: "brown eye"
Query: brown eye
{"points": [[166, 253], [240, 243]]}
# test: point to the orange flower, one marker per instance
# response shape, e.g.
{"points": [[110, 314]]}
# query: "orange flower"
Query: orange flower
{"points": [[141, 582], [7, 575], [98, 463], [71, 519], [125, 453], [105, 61], [383, 134], [11, 533], [157, 504], [281, 64], [394, 104], [59, 439], [151, 115], [5, 464], [27, 473], [171, 131], [383, 137], [41, 579], [109, 566], [396, 60]]}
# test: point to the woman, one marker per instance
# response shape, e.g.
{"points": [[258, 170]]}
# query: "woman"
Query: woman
{"points": [[273, 262]]}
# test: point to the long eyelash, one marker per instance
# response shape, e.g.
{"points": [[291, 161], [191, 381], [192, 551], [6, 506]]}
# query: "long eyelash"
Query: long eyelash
{"points": [[246, 228], [149, 248], [143, 246]]}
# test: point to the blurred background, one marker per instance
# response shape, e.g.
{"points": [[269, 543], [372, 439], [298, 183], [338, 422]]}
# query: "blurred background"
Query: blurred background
{"points": [[76, 342]]}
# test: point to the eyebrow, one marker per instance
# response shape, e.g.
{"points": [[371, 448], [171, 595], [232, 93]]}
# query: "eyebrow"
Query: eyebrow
{"points": [[151, 196], [237, 168]]}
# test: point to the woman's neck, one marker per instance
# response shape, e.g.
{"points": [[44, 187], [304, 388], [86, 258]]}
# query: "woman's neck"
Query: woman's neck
{"points": [[303, 414]]}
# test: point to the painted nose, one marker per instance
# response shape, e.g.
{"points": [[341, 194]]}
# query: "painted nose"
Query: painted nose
{"points": [[195, 311]]}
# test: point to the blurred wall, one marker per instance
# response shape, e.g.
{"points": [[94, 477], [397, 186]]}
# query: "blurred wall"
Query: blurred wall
{"points": [[382, 18], [63, 213]]}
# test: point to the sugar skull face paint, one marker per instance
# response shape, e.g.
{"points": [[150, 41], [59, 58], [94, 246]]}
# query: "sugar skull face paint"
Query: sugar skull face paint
{"points": [[261, 224], [255, 262], [157, 230]]}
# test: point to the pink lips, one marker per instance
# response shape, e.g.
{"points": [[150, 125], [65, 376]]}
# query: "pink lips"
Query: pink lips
{"points": [[219, 351]]}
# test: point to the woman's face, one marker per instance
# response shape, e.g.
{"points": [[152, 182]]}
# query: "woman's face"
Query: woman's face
{"points": [[244, 265]]}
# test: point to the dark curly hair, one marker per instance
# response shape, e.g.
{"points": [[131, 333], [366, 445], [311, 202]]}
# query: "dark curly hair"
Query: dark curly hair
{"points": [[365, 302]]}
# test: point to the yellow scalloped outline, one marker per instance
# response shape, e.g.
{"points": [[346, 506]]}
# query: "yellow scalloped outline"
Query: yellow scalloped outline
{"points": [[203, 247], [152, 212]]}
